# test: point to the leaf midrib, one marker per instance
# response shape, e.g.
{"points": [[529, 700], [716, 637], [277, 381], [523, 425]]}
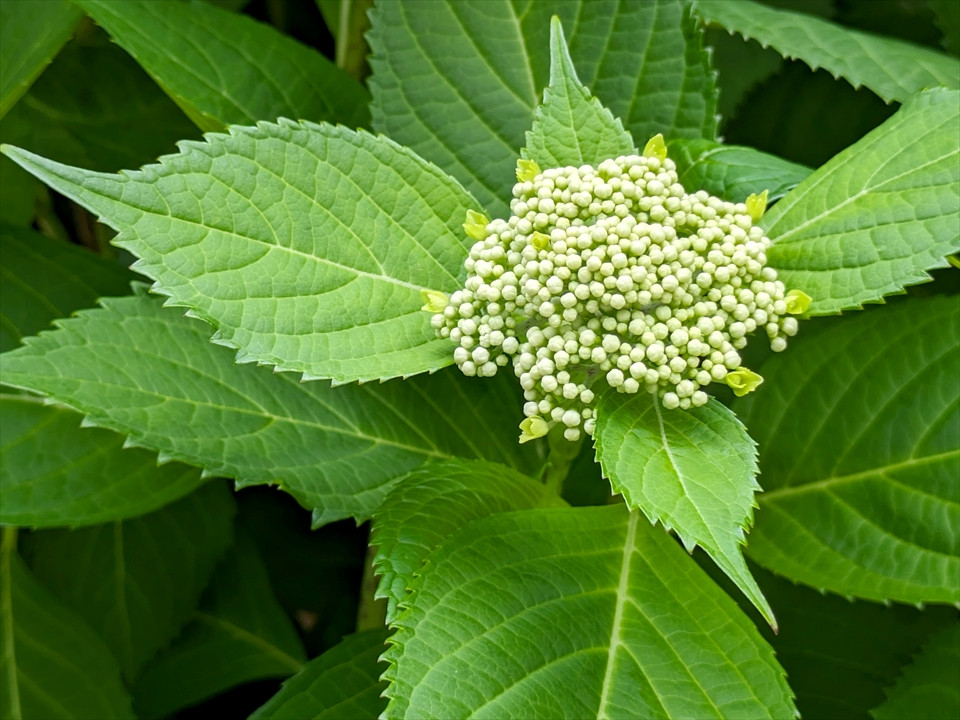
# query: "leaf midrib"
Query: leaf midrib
{"points": [[250, 638]]}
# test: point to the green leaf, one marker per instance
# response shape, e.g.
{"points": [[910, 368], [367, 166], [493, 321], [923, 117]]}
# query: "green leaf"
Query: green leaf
{"points": [[893, 69], [947, 15], [89, 478], [210, 60], [482, 64], [43, 279], [859, 430], [929, 687], [615, 622], [17, 192], [239, 634], [97, 108], [144, 371], [734, 172], [52, 664], [571, 127], [137, 581], [342, 683], [878, 215], [31, 34], [430, 503], [306, 245], [348, 21], [694, 471]]}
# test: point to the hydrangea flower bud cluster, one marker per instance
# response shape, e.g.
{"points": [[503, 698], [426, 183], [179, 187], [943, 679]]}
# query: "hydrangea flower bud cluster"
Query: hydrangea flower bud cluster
{"points": [[615, 272]]}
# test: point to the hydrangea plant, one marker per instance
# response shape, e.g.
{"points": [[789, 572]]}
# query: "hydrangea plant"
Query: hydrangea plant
{"points": [[600, 268]]}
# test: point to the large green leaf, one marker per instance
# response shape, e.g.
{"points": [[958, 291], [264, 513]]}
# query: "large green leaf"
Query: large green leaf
{"points": [[734, 172], [31, 34], [142, 370], [307, 246], [615, 621], [238, 634], [42, 279], [458, 81], [859, 430], [893, 69], [224, 68], [694, 471], [929, 687], [430, 504], [97, 108], [344, 682], [571, 127], [55, 473], [137, 581], [52, 665], [878, 215]]}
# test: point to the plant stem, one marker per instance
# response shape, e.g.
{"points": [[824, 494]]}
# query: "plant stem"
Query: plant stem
{"points": [[371, 612], [561, 455]]}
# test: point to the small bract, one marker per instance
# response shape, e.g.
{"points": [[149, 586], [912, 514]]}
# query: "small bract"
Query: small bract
{"points": [[614, 274]]}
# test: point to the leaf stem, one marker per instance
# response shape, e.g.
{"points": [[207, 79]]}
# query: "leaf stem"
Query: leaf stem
{"points": [[561, 455]]}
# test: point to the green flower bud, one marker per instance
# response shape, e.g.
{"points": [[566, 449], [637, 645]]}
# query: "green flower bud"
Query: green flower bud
{"points": [[532, 428], [435, 300], [527, 170], [757, 205], [798, 302], [476, 225], [655, 148], [743, 381]]}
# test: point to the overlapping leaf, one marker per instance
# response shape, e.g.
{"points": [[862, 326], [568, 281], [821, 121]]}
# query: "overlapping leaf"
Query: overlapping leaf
{"points": [[238, 634], [224, 68], [344, 682], [137, 581], [694, 471], [929, 687], [615, 621], [142, 370], [458, 81], [878, 215], [894, 69], [734, 172], [571, 127], [306, 245], [433, 501], [859, 431], [88, 479], [31, 34], [51, 663]]}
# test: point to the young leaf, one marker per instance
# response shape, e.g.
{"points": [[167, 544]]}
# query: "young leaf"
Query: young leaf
{"points": [[43, 279], [929, 687], [482, 64], [306, 245], [614, 621], [433, 501], [344, 682], [894, 69], [571, 127], [51, 664], [860, 453], [31, 34], [145, 371], [224, 68], [692, 470], [137, 581], [878, 215], [238, 634], [89, 479], [734, 172]]}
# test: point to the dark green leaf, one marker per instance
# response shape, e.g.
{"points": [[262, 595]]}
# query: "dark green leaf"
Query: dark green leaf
{"points": [[344, 682], [307, 246], [52, 664], [603, 615], [929, 687], [878, 215], [693, 471], [429, 504], [147, 372], [947, 13], [239, 634], [31, 34], [55, 473], [137, 581], [224, 68], [859, 430]]}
